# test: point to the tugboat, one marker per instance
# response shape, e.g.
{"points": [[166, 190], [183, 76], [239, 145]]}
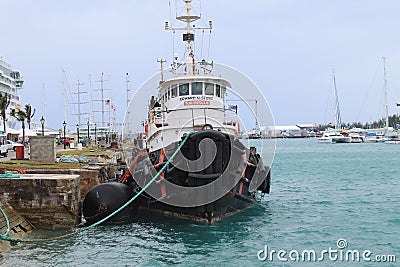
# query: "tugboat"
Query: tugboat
{"points": [[213, 174]]}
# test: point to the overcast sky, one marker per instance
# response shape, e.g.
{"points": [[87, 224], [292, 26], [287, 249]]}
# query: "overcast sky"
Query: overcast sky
{"points": [[287, 47]]}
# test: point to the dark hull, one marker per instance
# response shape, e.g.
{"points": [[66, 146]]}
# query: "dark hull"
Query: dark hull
{"points": [[228, 205], [209, 187], [232, 157], [187, 215]]}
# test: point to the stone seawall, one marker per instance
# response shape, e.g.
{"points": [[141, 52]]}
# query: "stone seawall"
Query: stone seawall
{"points": [[49, 199], [46, 201], [87, 178], [19, 226]]}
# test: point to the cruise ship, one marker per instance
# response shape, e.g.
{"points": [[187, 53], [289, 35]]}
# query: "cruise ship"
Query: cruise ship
{"points": [[11, 82]]}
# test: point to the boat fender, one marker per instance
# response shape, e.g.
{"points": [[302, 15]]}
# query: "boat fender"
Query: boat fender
{"points": [[104, 199]]}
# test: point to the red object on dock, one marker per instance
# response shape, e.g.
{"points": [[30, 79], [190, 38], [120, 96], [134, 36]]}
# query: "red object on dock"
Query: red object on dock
{"points": [[19, 152]]}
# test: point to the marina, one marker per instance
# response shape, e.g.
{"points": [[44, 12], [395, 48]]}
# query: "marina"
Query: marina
{"points": [[310, 197], [105, 163]]}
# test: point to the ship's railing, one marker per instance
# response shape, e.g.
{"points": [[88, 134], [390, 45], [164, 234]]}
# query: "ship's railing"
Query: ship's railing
{"points": [[230, 116], [197, 68]]}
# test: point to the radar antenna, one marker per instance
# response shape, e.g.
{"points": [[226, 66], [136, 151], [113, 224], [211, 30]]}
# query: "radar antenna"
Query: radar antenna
{"points": [[188, 37]]}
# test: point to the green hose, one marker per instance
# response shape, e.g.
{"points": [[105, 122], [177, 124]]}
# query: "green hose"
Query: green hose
{"points": [[7, 223], [15, 241]]}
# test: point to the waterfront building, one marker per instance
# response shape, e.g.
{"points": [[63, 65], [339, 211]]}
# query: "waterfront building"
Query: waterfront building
{"points": [[11, 82]]}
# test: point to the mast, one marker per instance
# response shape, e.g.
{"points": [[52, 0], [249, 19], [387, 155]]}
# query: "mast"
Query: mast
{"points": [[188, 36], [385, 92], [44, 100], [111, 114], [102, 99], [128, 80], [161, 61], [338, 121], [79, 103], [91, 99], [65, 94]]}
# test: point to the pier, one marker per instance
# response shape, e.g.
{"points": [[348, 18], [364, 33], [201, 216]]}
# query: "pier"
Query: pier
{"points": [[49, 194], [50, 200]]}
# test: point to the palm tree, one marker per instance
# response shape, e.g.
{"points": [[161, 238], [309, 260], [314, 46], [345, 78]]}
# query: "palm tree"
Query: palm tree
{"points": [[29, 114], [20, 116], [5, 99]]}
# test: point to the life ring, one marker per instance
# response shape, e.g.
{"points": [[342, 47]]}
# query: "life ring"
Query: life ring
{"points": [[207, 127]]}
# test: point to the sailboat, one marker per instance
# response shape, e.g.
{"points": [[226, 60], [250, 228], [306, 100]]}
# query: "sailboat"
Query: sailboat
{"points": [[334, 135], [384, 134], [213, 175]]}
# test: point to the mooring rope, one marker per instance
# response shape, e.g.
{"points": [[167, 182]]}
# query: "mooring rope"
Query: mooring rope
{"points": [[7, 223], [15, 241]]}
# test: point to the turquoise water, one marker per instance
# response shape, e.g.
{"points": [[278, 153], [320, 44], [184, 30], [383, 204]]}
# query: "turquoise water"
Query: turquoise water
{"points": [[320, 193]]}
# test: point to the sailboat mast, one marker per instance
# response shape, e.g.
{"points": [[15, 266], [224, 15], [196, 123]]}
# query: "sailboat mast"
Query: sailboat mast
{"points": [[128, 79], [338, 122], [385, 91], [44, 100], [65, 94], [91, 100]]}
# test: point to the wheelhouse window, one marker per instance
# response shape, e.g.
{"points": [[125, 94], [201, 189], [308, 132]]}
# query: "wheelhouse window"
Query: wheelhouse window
{"points": [[174, 91], [197, 88], [218, 90], [209, 89], [223, 90], [184, 89]]}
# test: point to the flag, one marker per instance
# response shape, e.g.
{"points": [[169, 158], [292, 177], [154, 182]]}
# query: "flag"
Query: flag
{"points": [[108, 102], [232, 108]]}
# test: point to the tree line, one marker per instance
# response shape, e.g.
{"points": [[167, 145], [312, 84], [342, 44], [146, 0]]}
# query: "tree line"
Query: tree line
{"points": [[394, 121], [21, 115]]}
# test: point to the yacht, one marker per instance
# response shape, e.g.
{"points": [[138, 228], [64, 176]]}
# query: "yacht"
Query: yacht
{"points": [[333, 137]]}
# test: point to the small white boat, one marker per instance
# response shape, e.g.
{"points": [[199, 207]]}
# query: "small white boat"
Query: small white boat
{"points": [[393, 142], [375, 137], [334, 137], [394, 139], [325, 139], [356, 138]]}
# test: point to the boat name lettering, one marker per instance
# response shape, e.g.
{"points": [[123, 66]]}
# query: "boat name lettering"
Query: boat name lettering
{"points": [[201, 97], [197, 103]]}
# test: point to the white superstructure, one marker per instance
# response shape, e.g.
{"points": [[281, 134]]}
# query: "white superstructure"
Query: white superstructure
{"points": [[193, 99]]}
